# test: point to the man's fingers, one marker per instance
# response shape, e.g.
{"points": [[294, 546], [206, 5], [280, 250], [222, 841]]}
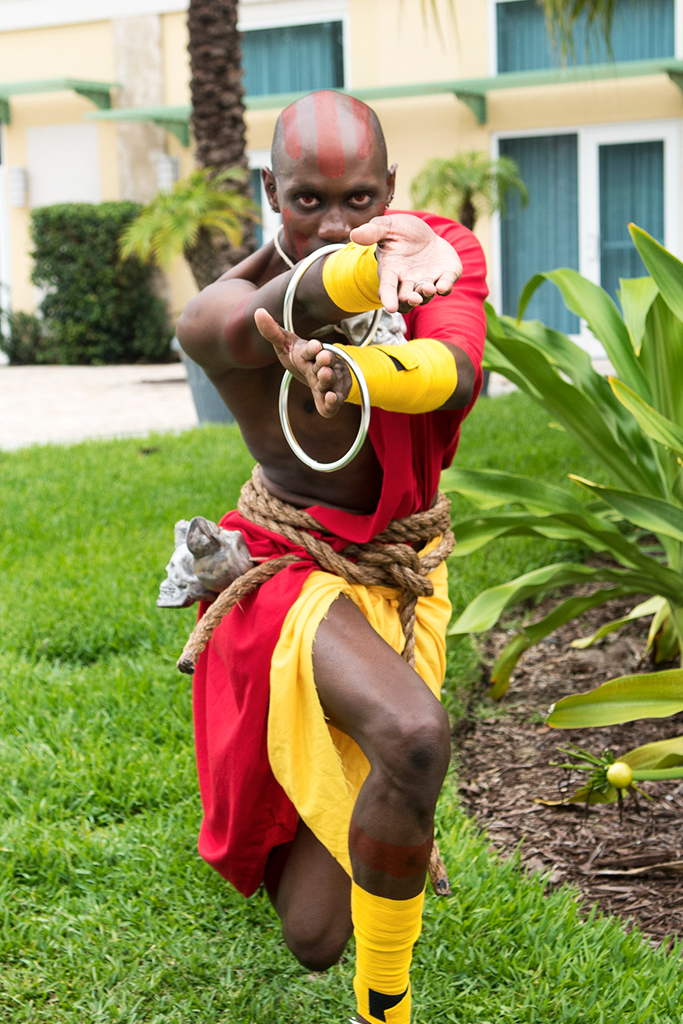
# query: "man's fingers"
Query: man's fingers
{"points": [[444, 286], [270, 329], [374, 231], [388, 289]]}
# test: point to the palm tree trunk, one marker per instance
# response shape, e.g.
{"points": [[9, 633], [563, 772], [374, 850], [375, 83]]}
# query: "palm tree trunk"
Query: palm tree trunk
{"points": [[468, 214], [217, 107]]}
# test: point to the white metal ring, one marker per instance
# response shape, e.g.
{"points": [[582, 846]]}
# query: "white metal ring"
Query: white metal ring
{"points": [[287, 317]]}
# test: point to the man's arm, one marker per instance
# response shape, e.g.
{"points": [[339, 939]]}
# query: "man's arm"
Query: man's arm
{"points": [[218, 328]]}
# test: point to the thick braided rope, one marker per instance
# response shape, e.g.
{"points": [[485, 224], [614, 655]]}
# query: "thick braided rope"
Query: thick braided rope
{"points": [[387, 561]]}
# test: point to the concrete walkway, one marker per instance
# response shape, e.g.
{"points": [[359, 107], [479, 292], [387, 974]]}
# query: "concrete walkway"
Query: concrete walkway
{"points": [[65, 404]]}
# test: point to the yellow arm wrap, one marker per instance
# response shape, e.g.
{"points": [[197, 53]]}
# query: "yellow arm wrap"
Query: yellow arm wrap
{"points": [[350, 278], [428, 378]]}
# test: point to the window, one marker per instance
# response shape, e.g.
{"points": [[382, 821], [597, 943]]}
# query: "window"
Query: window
{"points": [[296, 58], [585, 186], [545, 235], [642, 30], [631, 189]]}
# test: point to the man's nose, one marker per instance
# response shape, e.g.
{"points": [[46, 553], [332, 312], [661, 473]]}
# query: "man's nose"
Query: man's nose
{"points": [[335, 226]]}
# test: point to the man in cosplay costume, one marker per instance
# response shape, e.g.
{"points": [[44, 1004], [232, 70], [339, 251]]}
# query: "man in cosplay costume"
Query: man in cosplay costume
{"points": [[321, 752]]}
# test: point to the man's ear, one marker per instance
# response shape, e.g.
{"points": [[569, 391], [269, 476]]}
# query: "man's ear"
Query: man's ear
{"points": [[391, 182], [268, 179]]}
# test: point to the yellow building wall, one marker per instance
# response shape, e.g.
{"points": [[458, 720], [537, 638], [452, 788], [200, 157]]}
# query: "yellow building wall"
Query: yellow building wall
{"points": [[390, 45]]}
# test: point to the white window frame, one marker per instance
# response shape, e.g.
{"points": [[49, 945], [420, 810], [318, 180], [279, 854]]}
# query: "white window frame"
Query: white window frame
{"points": [[275, 14], [492, 6], [271, 221], [589, 139]]}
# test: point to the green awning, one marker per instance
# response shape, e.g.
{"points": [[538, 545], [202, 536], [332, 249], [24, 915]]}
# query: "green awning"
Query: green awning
{"points": [[471, 91], [174, 119], [98, 93]]}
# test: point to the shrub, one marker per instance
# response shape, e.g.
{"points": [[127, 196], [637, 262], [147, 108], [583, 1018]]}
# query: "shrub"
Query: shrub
{"points": [[97, 308], [23, 339]]}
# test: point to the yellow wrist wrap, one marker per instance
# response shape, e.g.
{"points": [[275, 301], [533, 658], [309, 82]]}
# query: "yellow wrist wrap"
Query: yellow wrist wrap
{"points": [[386, 931], [428, 378], [351, 279]]}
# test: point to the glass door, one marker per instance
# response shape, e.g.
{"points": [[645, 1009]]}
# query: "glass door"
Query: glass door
{"points": [[631, 191]]}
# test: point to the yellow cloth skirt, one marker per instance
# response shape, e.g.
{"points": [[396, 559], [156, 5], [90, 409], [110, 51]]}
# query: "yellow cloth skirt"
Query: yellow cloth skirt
{"points": [[321, 769]]}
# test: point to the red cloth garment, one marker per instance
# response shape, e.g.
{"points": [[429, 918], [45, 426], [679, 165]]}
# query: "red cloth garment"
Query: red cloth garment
{"points": [[246, 812]]}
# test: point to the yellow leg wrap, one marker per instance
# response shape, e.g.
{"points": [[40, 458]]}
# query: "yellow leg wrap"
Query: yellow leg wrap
{"points": [[351, 279], [386, 931], [428, 378]]}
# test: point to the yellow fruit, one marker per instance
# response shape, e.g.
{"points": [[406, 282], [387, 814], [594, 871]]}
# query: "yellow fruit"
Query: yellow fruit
{"points": [[620, 775]]}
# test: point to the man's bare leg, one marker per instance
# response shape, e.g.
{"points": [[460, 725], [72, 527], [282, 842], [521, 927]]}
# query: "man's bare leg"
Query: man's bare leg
{"points": [[311, 894], [372, 695]]}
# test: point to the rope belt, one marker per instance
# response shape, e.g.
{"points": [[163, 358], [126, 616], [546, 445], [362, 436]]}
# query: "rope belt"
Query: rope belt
{"points": [[387, 561]]}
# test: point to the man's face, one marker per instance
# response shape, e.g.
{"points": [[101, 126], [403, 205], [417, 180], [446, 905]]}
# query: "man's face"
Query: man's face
{"points": [[331, 178]]}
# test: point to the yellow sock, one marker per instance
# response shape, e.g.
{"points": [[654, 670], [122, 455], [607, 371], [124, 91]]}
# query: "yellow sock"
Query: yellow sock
{"points": [[351, 278], [386, 931], [428, 378]]}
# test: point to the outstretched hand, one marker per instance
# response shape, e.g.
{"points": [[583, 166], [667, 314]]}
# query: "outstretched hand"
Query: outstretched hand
{"points": [[327, 376], [414, 263]]}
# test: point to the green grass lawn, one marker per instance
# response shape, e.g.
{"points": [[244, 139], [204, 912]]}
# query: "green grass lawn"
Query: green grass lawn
{"points": [[106, 911]]}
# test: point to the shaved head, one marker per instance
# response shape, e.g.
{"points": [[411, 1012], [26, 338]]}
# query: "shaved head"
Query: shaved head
{"points": [[330, 125]]}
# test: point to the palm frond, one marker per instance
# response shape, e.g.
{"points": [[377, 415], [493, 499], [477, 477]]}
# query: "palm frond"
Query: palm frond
{"points": [[169, 226]]}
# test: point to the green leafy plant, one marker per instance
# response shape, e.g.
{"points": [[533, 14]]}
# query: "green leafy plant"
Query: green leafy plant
{"points": [[183, 220], [23, 339], [96, 308], [632, 424], [466, 186]]}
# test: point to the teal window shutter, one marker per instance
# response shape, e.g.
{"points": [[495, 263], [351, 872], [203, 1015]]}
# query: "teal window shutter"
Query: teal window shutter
{"points": [[631, 190], [296, 58], [545, 235], [642, 30]]}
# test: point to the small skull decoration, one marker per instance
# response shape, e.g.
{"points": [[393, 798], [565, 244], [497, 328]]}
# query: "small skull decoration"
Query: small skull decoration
{"points": [[206, 560]]}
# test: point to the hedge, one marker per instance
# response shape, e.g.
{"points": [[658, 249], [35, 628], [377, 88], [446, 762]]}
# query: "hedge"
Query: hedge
{"points": [[96, 307]]}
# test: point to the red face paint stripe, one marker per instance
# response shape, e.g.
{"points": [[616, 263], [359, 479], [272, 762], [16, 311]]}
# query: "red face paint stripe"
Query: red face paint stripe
{"points": [[361, 117], [295, 241], [330, 149], [397, 861], [292, 135]]}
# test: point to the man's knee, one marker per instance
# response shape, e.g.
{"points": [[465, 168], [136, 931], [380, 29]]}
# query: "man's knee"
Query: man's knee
{"points": [[414, 750], [316, 945]]}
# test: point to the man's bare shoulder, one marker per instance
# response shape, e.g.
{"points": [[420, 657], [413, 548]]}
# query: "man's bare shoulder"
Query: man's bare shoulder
{"points": [[216, 327]]}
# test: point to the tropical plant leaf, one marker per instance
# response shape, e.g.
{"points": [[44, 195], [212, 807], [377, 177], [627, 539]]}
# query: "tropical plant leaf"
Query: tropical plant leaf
{"points": [[661, 754], [649, 607], [473, 534], [574, 363], [579, 415], [657, 695], [666, 270], [489, 488], [659, 428], [486, 608], [636, 295], [536, 631], [595, 306], [652, 514]]}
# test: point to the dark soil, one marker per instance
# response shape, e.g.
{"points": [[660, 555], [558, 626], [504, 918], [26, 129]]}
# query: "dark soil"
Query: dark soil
{"points": [[632, 867]]}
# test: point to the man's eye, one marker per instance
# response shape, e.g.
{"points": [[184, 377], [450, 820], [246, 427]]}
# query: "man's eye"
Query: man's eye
{"points": [[308, 201], [360, 199]]}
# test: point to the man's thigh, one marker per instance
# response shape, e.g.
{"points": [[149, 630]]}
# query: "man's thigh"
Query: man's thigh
{"points": [[366, 689]]}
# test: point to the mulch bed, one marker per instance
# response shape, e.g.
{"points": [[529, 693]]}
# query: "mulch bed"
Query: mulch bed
{"points": [[504, 769]]}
